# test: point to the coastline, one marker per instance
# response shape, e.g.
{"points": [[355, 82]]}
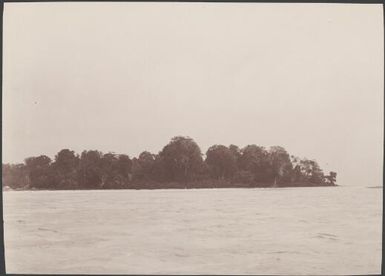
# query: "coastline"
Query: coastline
{"points": [[173, 186]]}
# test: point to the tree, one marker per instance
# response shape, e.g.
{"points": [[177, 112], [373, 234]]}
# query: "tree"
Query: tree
{"points": [[281, 165], [116, 171], [158, 172], [90, 169], [311, 171], [221, 161], [65, 169], [182, 159], [39, 172], [296, 174], [331, 178], [236, 151], [143, 166], [66, 160], [108, 171], [255, 160], [15, 176], [317, 175], [124, 166]]}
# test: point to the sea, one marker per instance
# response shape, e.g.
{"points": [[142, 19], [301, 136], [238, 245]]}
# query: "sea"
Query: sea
{"points": [[287, 231]]}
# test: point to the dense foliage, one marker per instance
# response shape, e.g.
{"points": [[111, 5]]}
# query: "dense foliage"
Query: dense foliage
{"points": [[180, 164]]}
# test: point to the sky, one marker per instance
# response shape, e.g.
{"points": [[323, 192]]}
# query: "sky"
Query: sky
{"points": [[127, 77]]}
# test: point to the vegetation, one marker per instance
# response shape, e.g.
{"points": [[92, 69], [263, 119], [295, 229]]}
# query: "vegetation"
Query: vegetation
{"points": [[179, 165]]}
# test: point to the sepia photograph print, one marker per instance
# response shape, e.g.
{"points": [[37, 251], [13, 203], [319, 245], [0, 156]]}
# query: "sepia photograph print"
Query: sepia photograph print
{"points": [[192, 138]]}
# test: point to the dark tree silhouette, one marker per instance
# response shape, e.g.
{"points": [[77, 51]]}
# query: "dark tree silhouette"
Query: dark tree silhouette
{"points": [[254, 165], [182, 159], [116, 171], [221, 162], [331, 178], [39, 174], [90, 169], [280, 164], [143, 166], [178, 165], [65, 169], [15, 176]]}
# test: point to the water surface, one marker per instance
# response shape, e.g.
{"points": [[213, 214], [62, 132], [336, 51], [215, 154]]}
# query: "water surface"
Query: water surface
{"points": [[325, 230]]}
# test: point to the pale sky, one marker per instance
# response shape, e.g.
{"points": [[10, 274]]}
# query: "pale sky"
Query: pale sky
{"points": [[126, 77]]}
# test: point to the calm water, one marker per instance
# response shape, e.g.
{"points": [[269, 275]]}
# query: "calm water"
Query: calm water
{"points": [[326, 230]]}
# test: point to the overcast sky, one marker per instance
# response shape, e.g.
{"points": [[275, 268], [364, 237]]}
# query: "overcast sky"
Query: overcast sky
{"points": [[126, 77]]}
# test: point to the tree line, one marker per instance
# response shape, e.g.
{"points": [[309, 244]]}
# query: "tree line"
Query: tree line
{"points": [[180, 164]]}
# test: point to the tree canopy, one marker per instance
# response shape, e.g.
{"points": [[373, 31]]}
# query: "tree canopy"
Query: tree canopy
{"points": [[180, 164]]}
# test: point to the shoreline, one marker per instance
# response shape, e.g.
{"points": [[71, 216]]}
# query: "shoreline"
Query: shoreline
{"points": [[174, 188]]}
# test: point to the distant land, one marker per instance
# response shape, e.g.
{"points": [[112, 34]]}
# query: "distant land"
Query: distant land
{"points": [[179, 165]]}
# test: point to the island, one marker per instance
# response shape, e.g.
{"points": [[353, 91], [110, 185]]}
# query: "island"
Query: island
{"points": [[179, 165]]}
